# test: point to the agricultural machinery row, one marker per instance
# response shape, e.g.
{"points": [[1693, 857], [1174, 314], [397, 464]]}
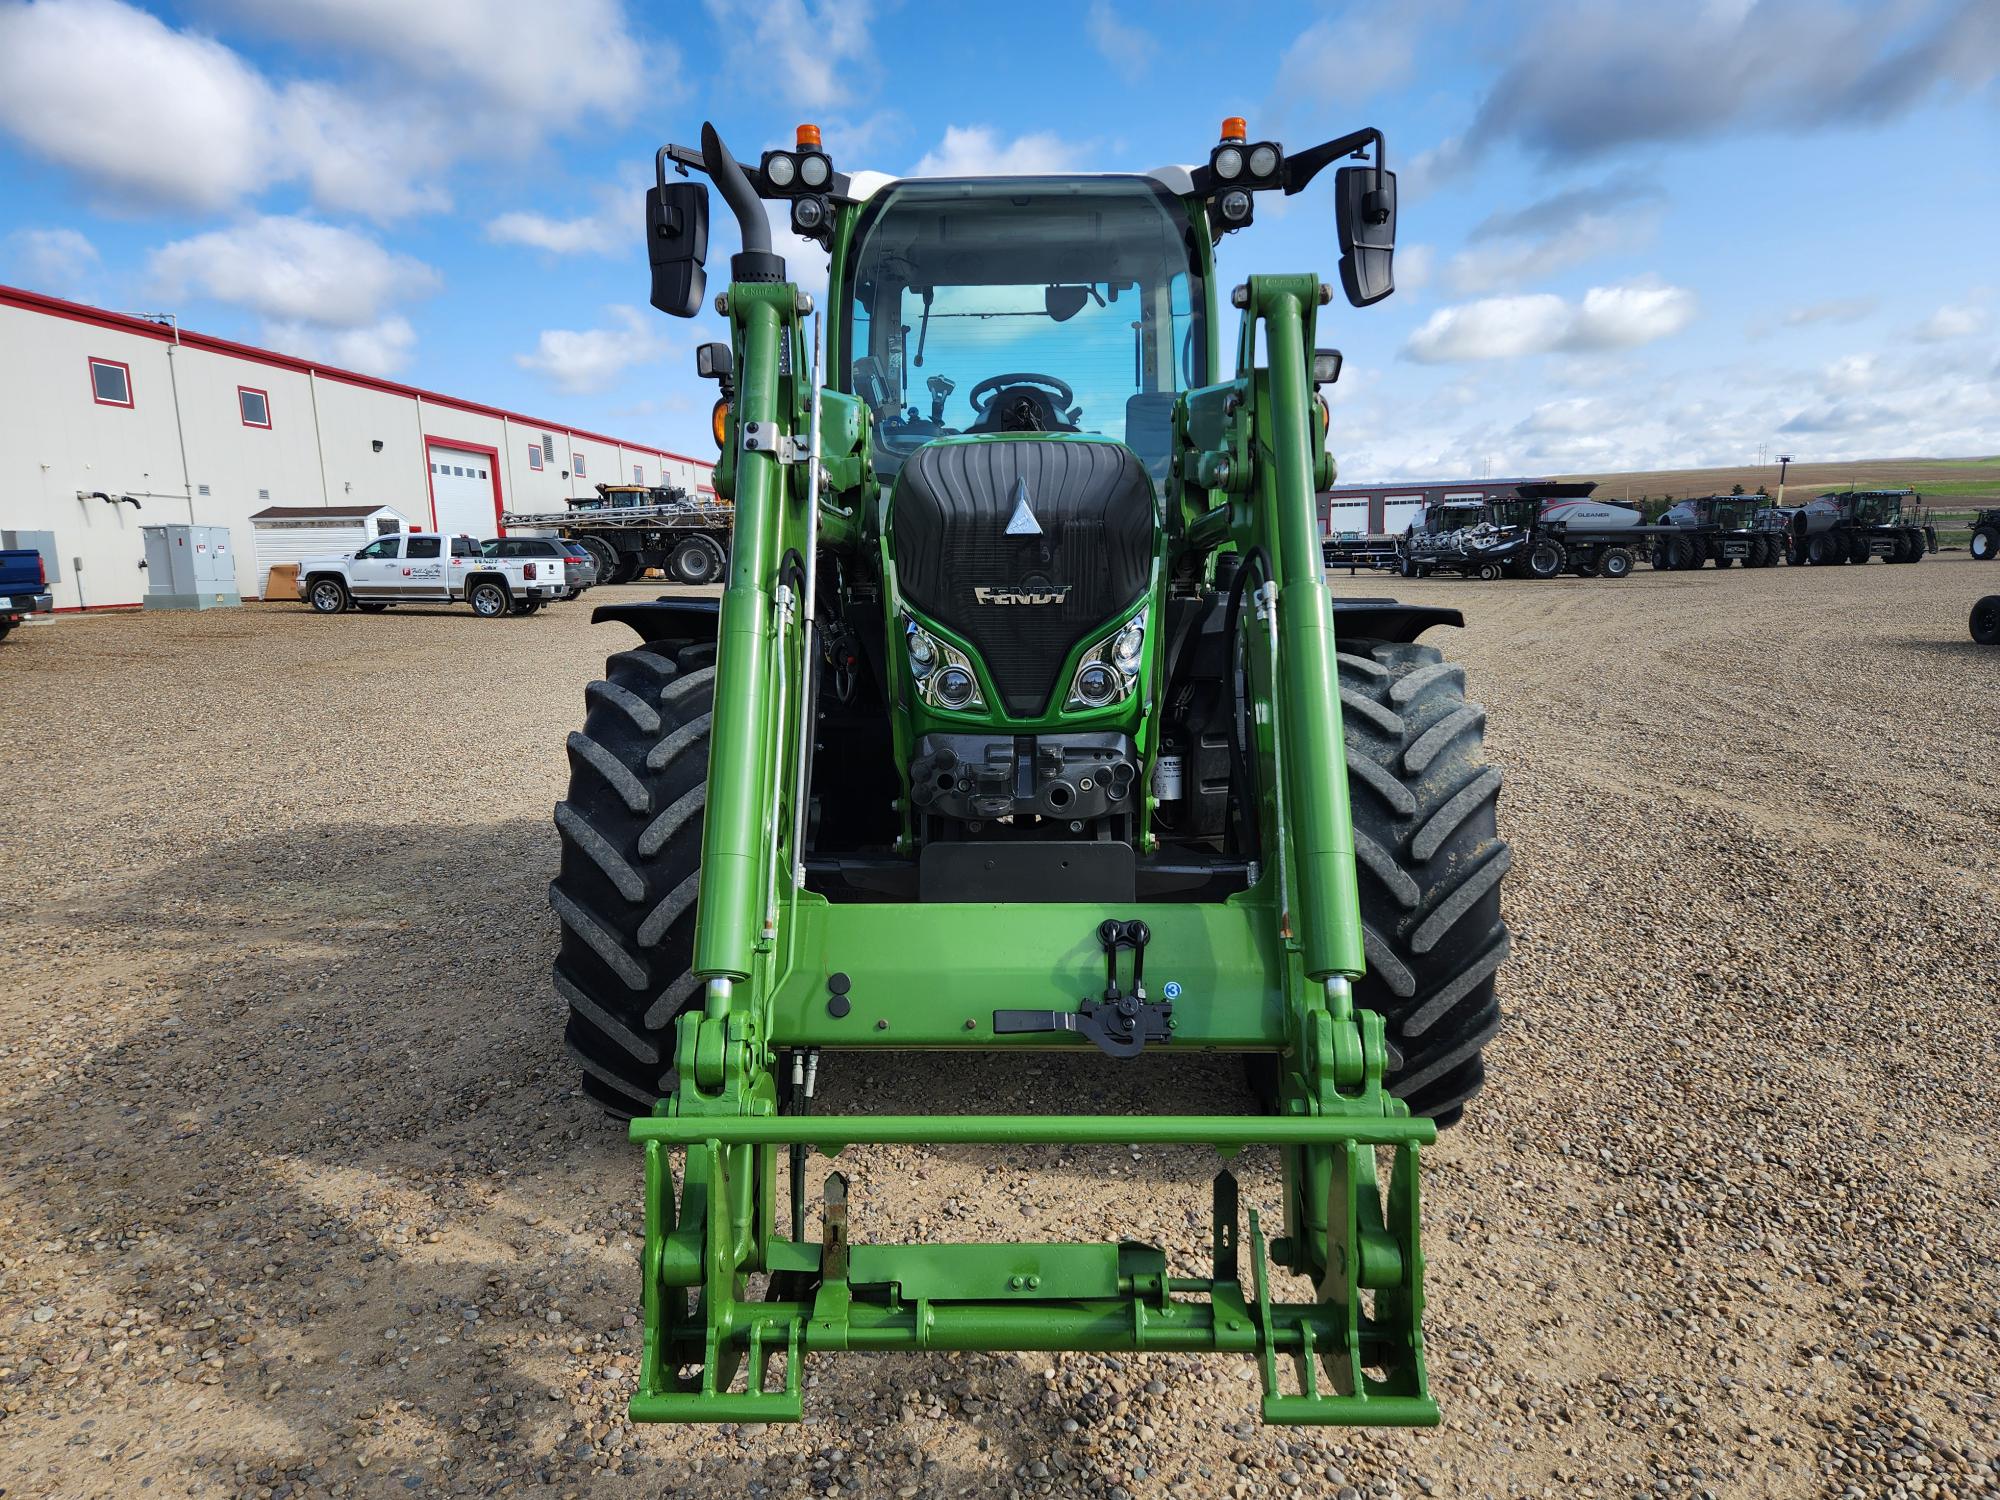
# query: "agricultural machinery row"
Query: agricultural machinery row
{"points": [[1546, 529], [629, 529]]}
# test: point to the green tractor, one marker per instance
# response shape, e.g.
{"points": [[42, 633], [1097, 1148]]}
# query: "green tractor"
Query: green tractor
{"points": [[1025, 721]]}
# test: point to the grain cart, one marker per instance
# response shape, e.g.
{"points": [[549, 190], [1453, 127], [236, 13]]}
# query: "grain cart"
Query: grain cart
{"points": [[629, 528], [1854, 526], [1984, 544], [1722, 529], [1024, 721]]}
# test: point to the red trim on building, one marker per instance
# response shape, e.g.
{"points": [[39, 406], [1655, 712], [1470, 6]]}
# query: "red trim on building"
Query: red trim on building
{"points": [[492, 467], [263, 396], [97, 317], [113, 364]]}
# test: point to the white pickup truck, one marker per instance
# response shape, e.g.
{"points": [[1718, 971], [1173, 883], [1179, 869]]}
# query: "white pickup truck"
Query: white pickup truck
{"points": [[422, 567]]}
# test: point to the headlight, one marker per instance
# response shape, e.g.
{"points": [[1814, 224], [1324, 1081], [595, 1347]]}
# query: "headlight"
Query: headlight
{"points": [[779, 169], [1263, 161], [1109, 671], [943, 674], [814, 170], [1236, 205], [1228, 163]]}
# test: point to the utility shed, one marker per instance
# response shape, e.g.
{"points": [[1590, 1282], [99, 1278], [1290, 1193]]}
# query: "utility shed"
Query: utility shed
{"points": [[292, 533]]}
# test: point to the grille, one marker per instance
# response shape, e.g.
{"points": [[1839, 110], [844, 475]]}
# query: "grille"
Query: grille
{"points": [[949, 516]]}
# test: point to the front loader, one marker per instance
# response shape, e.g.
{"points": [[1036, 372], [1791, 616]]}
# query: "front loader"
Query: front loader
{"points": [[1025, 722]]}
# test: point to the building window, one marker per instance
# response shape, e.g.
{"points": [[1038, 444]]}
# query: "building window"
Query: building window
{"points": [[482, 473], [110, 382], [535, 456], [254, 406], [578, 466], [638, 474]]}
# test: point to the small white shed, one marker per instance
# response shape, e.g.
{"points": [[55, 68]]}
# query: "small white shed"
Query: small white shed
{"points": [[289, 533]]}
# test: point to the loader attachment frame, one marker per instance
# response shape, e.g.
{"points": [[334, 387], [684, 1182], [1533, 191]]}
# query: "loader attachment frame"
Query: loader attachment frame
{"points": [[787, 974]]}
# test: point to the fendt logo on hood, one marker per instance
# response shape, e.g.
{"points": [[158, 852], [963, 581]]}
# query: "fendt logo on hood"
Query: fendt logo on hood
{"points": [[1026, 593]]}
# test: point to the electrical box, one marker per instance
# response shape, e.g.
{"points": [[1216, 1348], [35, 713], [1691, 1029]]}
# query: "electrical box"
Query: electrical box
{"points": [[189, 567]]}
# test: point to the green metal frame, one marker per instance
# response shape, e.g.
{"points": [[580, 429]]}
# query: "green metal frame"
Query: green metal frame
{"points": [[1267, 971]]}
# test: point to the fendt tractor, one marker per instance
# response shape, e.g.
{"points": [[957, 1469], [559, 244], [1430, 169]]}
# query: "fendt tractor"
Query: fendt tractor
{"points": [[1853, 526], [1025, 721]]}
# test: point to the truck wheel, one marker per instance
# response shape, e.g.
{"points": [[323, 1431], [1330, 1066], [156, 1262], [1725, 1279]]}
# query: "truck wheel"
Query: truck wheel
{"points": [[327, 595], [1920, 544], [631, 859], [628, 567], [488, 599], [1615, 563], [1986, 621], [1488, 572], [1546, 559], [1985, 543], [691, 561], [1819, 550], [1430, 862]]}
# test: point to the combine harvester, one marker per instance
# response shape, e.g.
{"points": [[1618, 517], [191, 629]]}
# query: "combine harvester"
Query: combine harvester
{"points": [[1854, 526], [1026, 724]]}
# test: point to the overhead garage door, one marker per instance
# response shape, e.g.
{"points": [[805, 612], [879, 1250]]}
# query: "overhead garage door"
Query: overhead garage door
{"points": [[1398, 511], [465, 492]]}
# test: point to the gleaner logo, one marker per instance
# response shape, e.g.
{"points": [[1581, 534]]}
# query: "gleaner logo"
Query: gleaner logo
{"points": [[1046, 593]]}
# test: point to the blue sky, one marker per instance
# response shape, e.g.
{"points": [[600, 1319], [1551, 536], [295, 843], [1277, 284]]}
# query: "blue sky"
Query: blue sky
{"points": [[1634, 235]]}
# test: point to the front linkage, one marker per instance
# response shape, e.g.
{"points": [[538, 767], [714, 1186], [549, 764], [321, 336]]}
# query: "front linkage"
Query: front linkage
{"points": [[778, 962]]}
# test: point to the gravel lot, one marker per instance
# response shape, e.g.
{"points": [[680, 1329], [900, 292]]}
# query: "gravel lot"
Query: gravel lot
{"points": [[301, 1198]]}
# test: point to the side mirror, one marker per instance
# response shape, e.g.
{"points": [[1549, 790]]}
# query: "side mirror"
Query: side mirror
{"points": [[1065, 302], [1365, 211], [677, 245]]}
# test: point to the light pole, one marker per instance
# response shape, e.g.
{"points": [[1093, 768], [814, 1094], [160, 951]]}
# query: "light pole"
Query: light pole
{"points": [[1784, 459]]}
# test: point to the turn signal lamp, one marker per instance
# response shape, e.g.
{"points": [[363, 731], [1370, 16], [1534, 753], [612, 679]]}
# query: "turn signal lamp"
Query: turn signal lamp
{"points": [[719, 421]]}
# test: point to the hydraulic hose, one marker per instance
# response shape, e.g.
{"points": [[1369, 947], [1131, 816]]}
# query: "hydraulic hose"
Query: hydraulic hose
{"points": [[1247, 835]]}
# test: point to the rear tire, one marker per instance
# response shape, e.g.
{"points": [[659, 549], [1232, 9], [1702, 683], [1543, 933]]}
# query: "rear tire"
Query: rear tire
{"points": [[488, 599], [1430, 863], [1985, 544], [631, 859], [1546, 559], [1615, 563], [603, 554], [692, 562]]}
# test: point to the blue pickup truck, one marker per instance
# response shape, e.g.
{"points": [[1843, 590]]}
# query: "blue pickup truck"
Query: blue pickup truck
{"points": [[24, 588]]}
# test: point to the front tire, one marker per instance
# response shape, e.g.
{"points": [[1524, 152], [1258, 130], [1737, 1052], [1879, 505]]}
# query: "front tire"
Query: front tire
{"points": [[328, 596], [692, 562], [1615, 563], [1430, 861], [1985, 544], [631, 858], [1985, 621]]}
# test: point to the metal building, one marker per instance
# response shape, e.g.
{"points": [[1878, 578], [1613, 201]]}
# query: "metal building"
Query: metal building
{"points": [[1388, 509], [110, 422]]}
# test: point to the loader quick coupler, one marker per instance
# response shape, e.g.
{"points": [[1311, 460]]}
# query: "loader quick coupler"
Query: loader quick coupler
{"points": [[1120, 1024]]}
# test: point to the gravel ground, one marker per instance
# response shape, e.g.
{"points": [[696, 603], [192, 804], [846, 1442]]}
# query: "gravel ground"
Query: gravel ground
{"points": [[301, 1197]]}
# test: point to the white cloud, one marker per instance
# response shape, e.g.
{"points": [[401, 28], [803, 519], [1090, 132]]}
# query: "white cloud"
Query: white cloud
{"points": [[291, 269], [1129, 49], [50, 260], [583, 361], [811, 55], [1614, 317], [614, 229], [517, 61], [153, 117], [1953, 322], [1350, 58], [977, 151], [145, 112], [1415, 266], [379, 348], [1836, 310]]}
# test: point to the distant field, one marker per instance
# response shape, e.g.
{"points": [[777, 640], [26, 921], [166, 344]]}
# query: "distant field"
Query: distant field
{"points": [[1953, 487]]}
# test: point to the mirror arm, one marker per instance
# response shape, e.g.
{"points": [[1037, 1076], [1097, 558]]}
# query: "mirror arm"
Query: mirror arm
{"points": [[1303, 166], [724, 171]]}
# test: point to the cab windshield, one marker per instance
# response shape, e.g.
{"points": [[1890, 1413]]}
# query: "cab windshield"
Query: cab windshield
{"points": [[1024, 305]]}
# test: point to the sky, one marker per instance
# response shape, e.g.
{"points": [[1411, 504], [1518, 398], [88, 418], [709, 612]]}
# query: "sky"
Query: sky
{"points": [[1631, 235]]}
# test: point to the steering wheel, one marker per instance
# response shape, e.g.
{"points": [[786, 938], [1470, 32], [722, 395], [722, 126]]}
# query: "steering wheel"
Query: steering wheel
{"points": [[981, 395]]}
